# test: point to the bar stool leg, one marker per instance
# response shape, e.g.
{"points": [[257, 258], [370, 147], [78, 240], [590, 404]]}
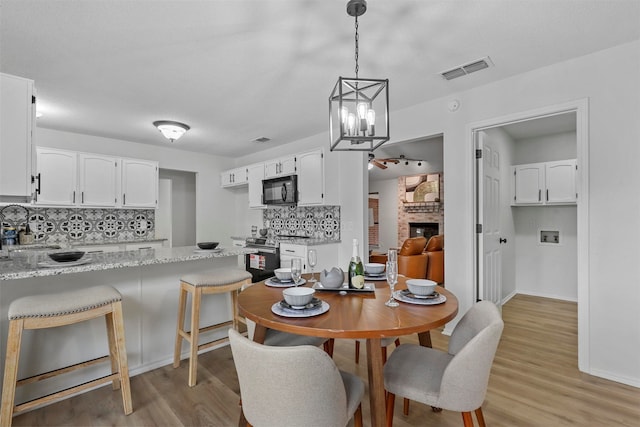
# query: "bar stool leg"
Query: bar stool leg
{"points": [[194, 335], [121, 352], [14, 341], [113, 352], [182, 304]]}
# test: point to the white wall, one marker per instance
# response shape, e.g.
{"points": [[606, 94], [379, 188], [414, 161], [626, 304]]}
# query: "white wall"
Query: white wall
{"points": [[549, 270], [183, 213], [214, 219], [560, 146], [387, 212]]}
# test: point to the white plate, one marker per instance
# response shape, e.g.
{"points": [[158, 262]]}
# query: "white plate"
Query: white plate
{"points": [[403, 297], [285, 312], [207, 251], [273, 284], [375, 278], [54, 264], [368, 287]]}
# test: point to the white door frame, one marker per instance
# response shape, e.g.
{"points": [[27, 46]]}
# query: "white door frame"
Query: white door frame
{"points": [[581, 108]]}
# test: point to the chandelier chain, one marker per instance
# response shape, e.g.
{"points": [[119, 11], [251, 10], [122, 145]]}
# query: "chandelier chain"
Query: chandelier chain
{"points": [[357, 38]]}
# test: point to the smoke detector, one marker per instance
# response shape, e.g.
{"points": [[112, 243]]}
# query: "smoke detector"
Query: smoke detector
{"points": [[468, 68]]}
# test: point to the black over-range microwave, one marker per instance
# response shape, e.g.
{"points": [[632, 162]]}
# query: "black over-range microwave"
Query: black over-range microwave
{"points": [[280, 191]]}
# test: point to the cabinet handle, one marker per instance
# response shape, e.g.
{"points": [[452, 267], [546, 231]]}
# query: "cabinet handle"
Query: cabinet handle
{"points": [[124, 199], [547, 194], [38, 187], [539, 195], [74, 197], [82, 197], [289, 250]]}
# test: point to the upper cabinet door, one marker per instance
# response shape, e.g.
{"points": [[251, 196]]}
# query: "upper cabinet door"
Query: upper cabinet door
{"points": [[280, 167], [98, 180], [529, 180], [255, 176], [560, 178], [139, 183], [56, 178], [16, 136], [310, 178]]}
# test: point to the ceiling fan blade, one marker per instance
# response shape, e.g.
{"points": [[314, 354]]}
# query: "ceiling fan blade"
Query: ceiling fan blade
{"points": [[394, 161], [378, 164]]}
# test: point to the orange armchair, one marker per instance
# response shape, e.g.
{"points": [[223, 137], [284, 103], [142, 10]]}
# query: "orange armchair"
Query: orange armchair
{"points": [[412, 262], [435, 259]]}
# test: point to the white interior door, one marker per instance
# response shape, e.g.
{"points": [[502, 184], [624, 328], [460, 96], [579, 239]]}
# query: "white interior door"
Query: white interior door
{"points": [[489, 241]]}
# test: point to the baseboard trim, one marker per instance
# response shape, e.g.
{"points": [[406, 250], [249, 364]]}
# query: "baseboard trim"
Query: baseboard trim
{"points": [[543, 295], [633, 382]]}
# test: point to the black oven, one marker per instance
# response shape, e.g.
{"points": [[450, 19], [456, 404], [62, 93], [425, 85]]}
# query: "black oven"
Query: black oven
{"points": [[262, 263]]}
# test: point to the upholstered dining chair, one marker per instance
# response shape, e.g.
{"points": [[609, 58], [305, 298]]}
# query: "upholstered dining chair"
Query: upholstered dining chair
{"points": [[455, 380], [298, 385]]}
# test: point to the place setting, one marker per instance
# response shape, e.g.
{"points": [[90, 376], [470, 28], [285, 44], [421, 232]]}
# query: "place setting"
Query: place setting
{"points": [[299, 302], [421, 292], [286, 277], [374, 271]]}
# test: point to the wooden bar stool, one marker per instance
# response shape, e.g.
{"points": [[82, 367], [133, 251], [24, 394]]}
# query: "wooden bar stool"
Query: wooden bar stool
{"points": [[48, 311], [221, 280]]}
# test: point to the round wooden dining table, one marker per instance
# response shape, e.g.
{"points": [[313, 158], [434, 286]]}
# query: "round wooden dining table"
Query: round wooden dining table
{"points": [[352, 315]]}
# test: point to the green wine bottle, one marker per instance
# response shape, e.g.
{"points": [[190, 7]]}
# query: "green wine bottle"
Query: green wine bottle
{"points": [[356, 269]]}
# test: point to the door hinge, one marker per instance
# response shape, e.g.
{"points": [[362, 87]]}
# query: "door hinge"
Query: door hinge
{"points": [[33, 99], [478, 228], [478, 153]]}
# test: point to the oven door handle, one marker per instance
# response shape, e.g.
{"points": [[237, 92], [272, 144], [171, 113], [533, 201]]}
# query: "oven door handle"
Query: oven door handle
{"points": [[269, 251]]}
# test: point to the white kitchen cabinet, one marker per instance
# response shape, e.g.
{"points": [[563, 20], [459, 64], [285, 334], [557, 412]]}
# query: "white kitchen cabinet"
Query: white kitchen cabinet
{"points": [[560, 180], [310, 178], [56, 180], [139, 183], [17, 122], [98, 180], [255, 176], [234, 177], [280, 167], [327, 255], [545, 183]]}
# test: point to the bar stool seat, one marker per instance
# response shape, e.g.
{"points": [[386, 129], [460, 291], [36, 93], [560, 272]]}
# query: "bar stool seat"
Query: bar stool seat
{"points": [[218, 281], [66, 308]]}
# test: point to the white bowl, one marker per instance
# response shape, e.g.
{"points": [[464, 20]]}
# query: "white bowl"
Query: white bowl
{"points": [[421, 287], [298, 296], [283, 273], [374, 268]]}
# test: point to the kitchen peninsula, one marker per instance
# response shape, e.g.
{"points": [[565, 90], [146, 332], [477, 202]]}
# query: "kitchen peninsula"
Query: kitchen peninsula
{"points": [[148, 280]]}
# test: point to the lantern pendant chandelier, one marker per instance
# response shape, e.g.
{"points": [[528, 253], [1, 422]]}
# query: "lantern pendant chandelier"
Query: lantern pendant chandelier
{"points": [[356, 105]]}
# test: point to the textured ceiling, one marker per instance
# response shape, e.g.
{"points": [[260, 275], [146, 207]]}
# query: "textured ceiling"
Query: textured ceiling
{"points": [[236, 70]]}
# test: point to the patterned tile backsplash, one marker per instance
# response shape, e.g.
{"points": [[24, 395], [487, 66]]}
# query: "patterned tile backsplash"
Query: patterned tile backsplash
{"points": [[319, 222], [62, 225]]}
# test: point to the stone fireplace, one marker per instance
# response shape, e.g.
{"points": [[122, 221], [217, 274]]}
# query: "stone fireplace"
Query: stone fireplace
{"points": [[423, 229], [427, 219]]}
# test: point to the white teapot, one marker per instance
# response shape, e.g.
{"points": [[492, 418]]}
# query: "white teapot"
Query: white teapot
{"points": [[332, 279]]}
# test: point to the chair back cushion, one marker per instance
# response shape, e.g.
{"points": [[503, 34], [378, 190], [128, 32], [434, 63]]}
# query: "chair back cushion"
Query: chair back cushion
{"points": [[288, 385], [473, 343], [413, 246], [435, 243]]}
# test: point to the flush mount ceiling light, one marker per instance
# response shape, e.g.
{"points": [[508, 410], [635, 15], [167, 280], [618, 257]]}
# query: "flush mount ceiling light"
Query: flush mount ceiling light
{"points": [[354, 104], [170, 129]]}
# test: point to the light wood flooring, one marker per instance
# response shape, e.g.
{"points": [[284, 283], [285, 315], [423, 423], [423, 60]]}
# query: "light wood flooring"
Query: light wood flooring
{"points": [[534, 382]]}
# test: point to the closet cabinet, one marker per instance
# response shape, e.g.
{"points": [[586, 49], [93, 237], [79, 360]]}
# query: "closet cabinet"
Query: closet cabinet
{"points": [[548, 183], [17, 122]]}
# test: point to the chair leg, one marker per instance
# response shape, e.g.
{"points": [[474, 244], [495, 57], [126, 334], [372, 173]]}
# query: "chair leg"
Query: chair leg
{"points": [[328, 347], [391, 400], [397, 342], [121, 352], [14, 340], [196, 298], [357, 351], [113, 355], [480, 417], [384, 355], [357, 417], [405, 406], [234, 309], [467, 419], [177, 350]]}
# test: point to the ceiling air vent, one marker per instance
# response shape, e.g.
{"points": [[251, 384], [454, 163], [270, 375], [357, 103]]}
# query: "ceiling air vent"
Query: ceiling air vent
{"points": [[463, 70], [262, 139]]}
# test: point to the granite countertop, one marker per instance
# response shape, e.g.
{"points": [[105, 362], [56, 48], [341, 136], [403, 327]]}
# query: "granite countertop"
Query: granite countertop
{"points": [[49, 246], [25, 264]]}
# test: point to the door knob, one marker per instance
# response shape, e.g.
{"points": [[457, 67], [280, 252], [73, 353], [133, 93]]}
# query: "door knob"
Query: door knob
{"points": [[502, 240]]}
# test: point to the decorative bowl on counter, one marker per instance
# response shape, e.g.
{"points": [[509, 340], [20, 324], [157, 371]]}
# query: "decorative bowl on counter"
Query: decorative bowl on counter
{"points": [[207, 245], [66, 256], [332, 279]]}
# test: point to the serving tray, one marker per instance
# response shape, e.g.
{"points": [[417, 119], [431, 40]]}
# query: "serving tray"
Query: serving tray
{"points": [[368, 287]]}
